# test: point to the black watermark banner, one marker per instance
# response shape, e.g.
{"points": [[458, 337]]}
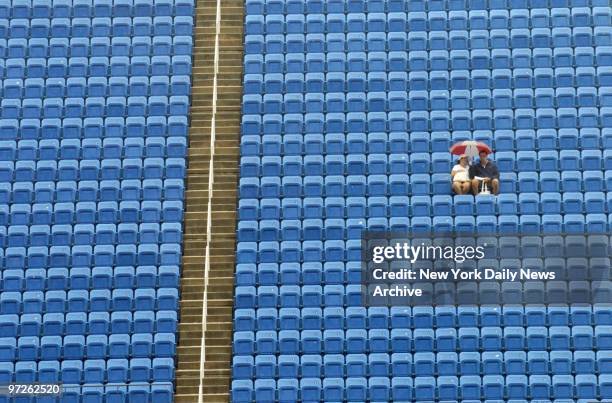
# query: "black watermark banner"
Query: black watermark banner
{"points": [[472, 269]]}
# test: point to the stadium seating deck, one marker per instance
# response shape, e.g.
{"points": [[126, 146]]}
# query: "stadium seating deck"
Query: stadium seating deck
{"points": [[93, 126], [348, 113]]}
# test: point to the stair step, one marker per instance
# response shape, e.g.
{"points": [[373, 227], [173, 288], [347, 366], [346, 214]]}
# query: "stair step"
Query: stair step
{"points": [[223, 204]]}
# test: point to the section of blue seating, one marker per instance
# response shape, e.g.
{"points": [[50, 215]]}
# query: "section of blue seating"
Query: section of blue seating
{"points": [[93, 139], [348, 113]]}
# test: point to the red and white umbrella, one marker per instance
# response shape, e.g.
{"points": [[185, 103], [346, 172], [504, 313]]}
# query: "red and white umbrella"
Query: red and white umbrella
{"points": [[470, 148]]}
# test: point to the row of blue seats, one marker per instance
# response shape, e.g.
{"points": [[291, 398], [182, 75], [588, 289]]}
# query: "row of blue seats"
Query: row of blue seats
{"points": [[269, 7], [331, 230], [340, 186], [84, 278], [32, 323], [529, 203], [418, 163], [340, 22], [418, 317], [49, 372], [85, 234], [71, 169], [249, 274], [420, 80], [334, 60], [352, 228], [138, 47], [101, 371], [87, 170], [102, 255], [103, 300], [308, 273], [85, 8], [250, 208], [420, 185], [574, 269], [337, 82], [111, 392], [462, 121], [336, 341], [100, 393], [419, 142], [100, 107], [546, 162], [339, 273], [99, 213], [82, 47], [426, 388], [92, 191], [98, 67], [447, 363], [249, 297], [419, 102], [334, 230], [111, 129], [533, 247], [92, 371], [87, 256], [73, 347], [73, 152], [80, 87], [336, 57], [554, 292], [88, 189], [458, 40], [437, 101], [89, 150], [438, 121], [64, 28], [37, 236], [479, 38], [319, 213], [404, 185], [314, 296]]}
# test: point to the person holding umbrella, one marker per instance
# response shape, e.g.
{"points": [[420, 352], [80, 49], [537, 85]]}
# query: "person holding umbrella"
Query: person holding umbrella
{"points": [[483, 174]]}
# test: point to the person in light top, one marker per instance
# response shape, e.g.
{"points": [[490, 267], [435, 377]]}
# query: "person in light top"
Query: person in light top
{"points": [[460, 175]]}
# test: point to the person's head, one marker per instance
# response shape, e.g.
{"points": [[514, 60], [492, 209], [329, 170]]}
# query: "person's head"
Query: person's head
{"points": [[463, 160], [483, 156]]}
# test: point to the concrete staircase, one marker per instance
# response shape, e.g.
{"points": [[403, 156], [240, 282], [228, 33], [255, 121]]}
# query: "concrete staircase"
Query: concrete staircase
{"points": [[219, 315]]}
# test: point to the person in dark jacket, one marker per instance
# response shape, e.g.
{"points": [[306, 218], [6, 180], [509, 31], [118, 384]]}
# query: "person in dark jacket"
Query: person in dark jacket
{"points": [[484, 171]]}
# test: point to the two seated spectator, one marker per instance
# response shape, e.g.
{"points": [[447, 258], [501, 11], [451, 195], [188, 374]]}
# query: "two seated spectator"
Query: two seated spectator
{"points": [[478, 177]]}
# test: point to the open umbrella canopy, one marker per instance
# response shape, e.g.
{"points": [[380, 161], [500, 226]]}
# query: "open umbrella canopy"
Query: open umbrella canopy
{"points": [[470, 148]]}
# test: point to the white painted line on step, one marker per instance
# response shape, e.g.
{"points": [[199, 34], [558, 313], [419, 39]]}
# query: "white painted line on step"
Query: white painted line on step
{"points": [[211, 177]]}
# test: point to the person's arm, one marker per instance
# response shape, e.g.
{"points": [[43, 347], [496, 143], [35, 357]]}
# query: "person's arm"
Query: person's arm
{"points": [[453, 171], [472, 172], [495, 172]]}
